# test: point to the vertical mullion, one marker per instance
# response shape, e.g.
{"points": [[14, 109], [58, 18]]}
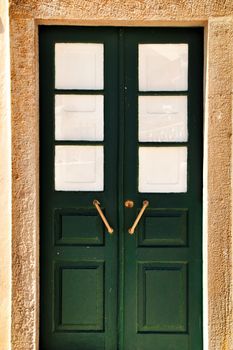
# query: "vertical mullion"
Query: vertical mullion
{"points": [[121, 119]]}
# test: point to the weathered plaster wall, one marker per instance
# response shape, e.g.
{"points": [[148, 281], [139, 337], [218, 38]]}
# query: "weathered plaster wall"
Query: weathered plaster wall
{"points": [[217, 16], [5, 181]]}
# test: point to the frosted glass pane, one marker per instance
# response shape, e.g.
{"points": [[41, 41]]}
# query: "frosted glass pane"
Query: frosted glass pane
{"points": [[79, 66], [163, 118], [79, 117], [162, 169], [163, 67], [79, 168]]}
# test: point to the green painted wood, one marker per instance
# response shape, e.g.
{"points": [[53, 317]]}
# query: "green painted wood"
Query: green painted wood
{"points": [[163, 306], [81, 227], [67, 289], [101, 291], [80, 296], [163, 227], [158, 285]]}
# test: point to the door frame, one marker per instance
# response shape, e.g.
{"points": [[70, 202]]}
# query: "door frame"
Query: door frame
{"points": [[217, 236]]}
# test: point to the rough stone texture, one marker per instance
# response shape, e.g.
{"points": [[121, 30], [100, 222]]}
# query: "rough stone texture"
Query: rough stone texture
{"points": [[218, 20], [5, 181], [25, 190], [122, 10], [220, 85]]}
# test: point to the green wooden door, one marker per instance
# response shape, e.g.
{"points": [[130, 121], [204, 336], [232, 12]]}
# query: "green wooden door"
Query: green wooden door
{"points": [[121, 119]]}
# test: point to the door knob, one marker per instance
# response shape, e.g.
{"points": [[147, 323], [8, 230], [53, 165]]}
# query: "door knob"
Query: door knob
{"points": [[129, 203], [145, 205], [101, 214]]}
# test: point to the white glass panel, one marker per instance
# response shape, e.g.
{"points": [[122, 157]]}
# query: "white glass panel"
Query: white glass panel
{"points": [[163, 67], [79, 66], [79, 168], [163, 118], [79, 117], [163, 169]]}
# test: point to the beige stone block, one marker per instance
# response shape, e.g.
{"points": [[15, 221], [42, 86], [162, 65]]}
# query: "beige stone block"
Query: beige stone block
{"points": [[122, 10]]}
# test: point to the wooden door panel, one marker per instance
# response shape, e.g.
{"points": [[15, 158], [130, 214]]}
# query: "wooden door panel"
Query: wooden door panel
{"points": [[163, 258], [78, 256], [162, 297], [78, 227], [163, 227], [79, 298]]}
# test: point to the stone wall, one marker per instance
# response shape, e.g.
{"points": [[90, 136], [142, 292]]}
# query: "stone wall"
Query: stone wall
{"points": [[217, 18]]}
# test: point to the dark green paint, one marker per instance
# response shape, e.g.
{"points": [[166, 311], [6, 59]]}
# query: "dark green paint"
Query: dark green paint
{"points": [[101, 291], [81, 227], [163, 228], [157, 283]]}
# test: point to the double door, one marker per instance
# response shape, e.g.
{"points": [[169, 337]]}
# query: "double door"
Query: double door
{"points": [[121, 188]]}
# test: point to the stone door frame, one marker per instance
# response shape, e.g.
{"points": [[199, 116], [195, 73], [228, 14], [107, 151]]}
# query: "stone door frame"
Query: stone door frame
{"points": [[25, 16]]}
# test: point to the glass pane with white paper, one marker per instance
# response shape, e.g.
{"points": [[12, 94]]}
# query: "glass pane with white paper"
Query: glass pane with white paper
{"points": [[79, 117], [163, 118], [163, 67], [162, 169], [79, 66], [79, 168]]}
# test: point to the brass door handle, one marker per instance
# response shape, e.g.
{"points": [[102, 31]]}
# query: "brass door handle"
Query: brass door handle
{"points": [[97, 205], [132, 229]]}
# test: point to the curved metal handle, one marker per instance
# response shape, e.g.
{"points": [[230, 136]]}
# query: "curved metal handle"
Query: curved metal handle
{"points": [[97, 205], [132, 229]]}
